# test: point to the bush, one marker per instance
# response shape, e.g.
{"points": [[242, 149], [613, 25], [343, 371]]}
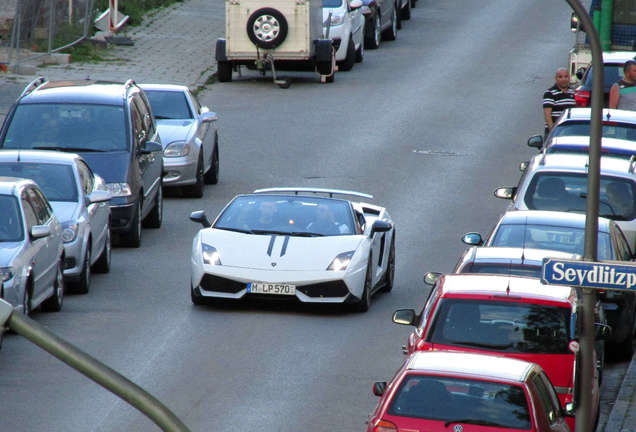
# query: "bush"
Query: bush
{"points": [[135, 9]]}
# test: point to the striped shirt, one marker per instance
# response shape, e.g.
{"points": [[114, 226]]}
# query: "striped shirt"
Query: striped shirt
{"points": [[558, 100]]}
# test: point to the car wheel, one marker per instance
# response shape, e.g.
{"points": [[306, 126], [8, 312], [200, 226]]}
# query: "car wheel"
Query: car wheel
{"points": [[196, 190], [391, 33], [360, 52], [133, 237], [349, 61], [102, 265], [54, 303], [267, 28], [372, 40], [155, 217], [212, 176], [365, 301], [406, 11], [196, 296], [390, 271], [84, 283], [398, 16], [224, 71]]}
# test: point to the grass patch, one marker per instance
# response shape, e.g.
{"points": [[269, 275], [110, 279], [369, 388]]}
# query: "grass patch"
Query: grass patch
{"points": [[86, 52]]}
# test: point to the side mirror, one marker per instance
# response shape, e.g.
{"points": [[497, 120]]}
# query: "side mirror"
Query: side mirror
{"points": [[404, 317], [379, 387], [574, 23], [505, 192], [208, 116], [431, 278], [355, 4], [380, 226], [602, 331], [200, 217], [535, 141], [151, 147], [98, 196], [473, 239], [40, 231], [523, 166], [580, 72]]}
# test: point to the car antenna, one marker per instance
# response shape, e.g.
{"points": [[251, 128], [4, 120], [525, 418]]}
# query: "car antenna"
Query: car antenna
{"points": [[18, 156], [608, 115], [509, 274]]}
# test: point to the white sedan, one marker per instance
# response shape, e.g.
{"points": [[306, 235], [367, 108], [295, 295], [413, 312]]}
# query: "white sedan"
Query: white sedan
{"points": [[294, 242]]}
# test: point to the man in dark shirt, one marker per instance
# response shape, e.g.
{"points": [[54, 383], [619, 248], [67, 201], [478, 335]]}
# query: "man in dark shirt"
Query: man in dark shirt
{"points": [[557, 98]]}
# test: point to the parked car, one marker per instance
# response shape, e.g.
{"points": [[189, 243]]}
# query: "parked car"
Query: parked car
{"points": [[565, 232], [506, 316], [442, 391], [31, 248], [292, 243], [346, 29], [380, 22], [111, 126], [189, 137], [613, 62], [614, 147], [80, 202]]}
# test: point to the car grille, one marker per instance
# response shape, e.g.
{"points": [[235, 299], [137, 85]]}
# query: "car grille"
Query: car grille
{"points": [[219, 284], [325, 289]]}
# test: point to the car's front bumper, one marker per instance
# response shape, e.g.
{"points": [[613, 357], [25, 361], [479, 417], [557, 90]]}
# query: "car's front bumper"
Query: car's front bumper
{"points": [[122, 217], [180, 171], [340, 34], [74, 257], [12, 291]]}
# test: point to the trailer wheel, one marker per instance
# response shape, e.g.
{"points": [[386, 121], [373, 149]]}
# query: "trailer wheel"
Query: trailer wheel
{"points": [[224, 71], [267, 28]]}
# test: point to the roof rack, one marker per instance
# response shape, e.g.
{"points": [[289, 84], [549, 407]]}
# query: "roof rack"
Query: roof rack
{"points": [[32, 86], [330, 192], [129, 83]]}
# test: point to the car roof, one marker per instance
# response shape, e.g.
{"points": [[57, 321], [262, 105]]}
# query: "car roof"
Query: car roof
{"points": [[9, 185], [497, 254], [79, 91], [472, 365], [504, 285], [617, 115], [40, 156], [613, 146], [618, 56], [165, 87], [552, 218], [568, 162]]}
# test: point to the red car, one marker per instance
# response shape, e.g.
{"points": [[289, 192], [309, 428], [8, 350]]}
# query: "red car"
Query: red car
{"points": [[453, 391], [510, 316]]}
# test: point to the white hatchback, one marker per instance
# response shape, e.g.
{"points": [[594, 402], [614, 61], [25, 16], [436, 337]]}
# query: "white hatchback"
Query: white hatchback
{"points": [[347, 26]]}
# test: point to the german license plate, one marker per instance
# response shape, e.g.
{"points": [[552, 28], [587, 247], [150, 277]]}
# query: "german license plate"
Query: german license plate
{"points": [[271, 288]]}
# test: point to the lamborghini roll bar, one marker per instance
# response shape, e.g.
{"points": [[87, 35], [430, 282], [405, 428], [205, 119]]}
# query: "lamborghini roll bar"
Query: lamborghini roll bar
{"points": [[330, 192]]}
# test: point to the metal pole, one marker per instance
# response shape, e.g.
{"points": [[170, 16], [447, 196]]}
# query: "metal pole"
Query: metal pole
{"points": [[51, 25], [584, 410]]}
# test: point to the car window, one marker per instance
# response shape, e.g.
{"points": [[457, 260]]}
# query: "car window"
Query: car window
{"points": [[86, 177], [57, 181], [623, 251], [78, 127], [559, 191], [504, 326], [547, 397], [457, 399], [430, 301], [11, 229], [29, 212], [624, 131], [195, 101], [147, 118], [43, 211], [169, 104], [137, 125]]}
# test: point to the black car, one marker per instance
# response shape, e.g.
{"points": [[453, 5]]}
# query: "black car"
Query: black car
{"points": [[112, 127]]}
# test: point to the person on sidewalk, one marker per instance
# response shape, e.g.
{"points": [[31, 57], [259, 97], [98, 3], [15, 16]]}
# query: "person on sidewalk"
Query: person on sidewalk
{"points": [[557, 98], [623, 93]]}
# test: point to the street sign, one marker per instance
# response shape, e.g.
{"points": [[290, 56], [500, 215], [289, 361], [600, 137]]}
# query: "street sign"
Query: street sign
{"points": [[587, 274]]}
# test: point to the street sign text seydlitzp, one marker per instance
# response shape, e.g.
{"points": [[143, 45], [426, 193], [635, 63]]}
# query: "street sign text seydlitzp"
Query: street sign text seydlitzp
{"points": [[586, 274]]}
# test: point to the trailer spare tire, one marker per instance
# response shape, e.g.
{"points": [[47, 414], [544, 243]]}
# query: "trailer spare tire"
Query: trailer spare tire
{"points": [[267, 28]]}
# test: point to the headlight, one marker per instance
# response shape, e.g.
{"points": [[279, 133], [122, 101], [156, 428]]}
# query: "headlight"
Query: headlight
{"points": [[341, 262], [210, 255], [69, 231], [6, 273], [118, 189], [177, 149], [336, 20]]}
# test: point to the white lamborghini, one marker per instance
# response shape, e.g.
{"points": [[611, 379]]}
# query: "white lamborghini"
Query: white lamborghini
{"points": [[294, 242]]}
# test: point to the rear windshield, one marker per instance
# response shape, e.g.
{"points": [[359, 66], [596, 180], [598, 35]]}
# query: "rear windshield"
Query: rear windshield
{"points": [[72, 127], [503, 326], [10, 221], [459, 400], [625, 131], [503, 268], [57, 182], [168, 104]]}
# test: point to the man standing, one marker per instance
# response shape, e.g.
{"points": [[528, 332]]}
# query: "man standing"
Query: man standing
{"points": [[557, 98], [623, 93]]}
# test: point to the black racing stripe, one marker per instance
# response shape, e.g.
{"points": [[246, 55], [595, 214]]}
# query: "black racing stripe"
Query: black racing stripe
{"points": [[271, 245], [284, 249]]}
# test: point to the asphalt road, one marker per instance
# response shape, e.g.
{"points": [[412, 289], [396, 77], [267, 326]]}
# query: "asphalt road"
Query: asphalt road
{"points": [[429, 124]]}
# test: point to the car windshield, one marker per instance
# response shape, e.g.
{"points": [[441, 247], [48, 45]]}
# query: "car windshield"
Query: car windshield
{"points": [[168, 104], [10, 221], [56, 181], [287, 214], [568, 192], [503, 268], [461, 400], [503, 326], [625, 131], [548, 237], [331, 3], [67, 127]]}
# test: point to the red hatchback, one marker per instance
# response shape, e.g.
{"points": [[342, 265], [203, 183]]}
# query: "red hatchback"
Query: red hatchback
{"points": [[443, 391], [508, 316]]}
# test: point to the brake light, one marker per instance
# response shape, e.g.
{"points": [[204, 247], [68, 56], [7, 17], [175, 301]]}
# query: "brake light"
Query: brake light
{"points": [[385, 426], [582, 98]]}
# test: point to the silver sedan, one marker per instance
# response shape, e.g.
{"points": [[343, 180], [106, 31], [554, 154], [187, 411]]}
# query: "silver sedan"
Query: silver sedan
{"points": [[189, 135]]}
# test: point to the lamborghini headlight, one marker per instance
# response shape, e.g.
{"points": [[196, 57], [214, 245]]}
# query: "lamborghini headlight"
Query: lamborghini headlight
{"points": [[210, 255], [341, 262]]}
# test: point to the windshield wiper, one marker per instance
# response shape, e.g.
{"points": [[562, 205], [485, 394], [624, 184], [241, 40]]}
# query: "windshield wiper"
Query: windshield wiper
{"points": [[67, 149], [483, 345], [475, 421], [160, 117], [246, 231], [305, 234], [261, 231]]}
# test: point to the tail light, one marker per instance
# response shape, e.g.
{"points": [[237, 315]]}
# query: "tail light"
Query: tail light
{"points": [[582, 98], [385, 426]]}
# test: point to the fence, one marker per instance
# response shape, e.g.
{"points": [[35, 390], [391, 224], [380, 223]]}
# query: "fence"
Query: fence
{"points": [[43, 27]]}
